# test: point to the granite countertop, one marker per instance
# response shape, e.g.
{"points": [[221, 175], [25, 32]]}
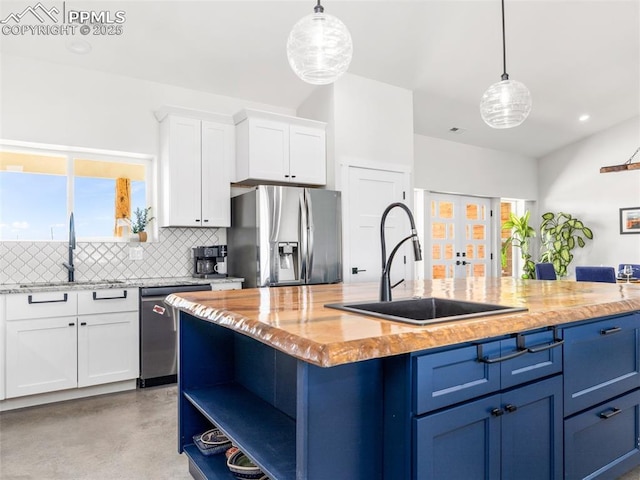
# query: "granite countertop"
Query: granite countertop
{"points": [[113, 283], [295, 321]]}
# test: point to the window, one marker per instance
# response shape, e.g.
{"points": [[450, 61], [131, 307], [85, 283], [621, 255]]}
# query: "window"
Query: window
{"points": [[40, 187]]}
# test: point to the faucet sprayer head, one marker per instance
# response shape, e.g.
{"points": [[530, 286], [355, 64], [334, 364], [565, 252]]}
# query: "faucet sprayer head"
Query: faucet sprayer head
{"points": [[417, 251], [72, 232]]}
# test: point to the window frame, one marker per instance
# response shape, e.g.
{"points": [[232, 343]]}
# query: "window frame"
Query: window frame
{"points": [[71, 153]]}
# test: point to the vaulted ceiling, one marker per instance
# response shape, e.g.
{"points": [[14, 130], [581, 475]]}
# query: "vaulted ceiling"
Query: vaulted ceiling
{"points": [[576, 57]]}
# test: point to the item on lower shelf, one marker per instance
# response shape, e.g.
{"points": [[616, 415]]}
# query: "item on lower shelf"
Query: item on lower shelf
{"points": [[211, 442], [243, 468]]}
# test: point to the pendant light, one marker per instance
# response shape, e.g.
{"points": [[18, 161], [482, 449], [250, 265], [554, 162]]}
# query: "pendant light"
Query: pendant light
{"points": [[319, 47], [505, 104]]}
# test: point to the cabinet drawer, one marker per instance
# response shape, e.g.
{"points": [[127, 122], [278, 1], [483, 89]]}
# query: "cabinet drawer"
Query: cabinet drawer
{"points": [[603, 439], [543, 358], [108, 300], [444, 378], [601, 361], [21, 306]]}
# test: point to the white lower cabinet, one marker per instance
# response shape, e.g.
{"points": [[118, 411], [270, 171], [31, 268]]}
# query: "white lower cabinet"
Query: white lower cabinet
{"points": [[88, 338], [107, 348], [41, 355]]}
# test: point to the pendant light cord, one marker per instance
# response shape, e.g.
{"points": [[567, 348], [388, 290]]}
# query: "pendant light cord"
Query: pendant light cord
{"points": [[505, 75]]}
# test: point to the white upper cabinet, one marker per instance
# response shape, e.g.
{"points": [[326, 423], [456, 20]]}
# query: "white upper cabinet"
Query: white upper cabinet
{"points": [[196, 158], [279, 149]]}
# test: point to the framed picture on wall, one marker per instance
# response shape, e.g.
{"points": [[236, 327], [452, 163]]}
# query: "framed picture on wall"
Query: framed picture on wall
{"points": [[630, 220]]}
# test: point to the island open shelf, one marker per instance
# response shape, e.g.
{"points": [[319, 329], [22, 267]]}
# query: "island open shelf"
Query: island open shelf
{"points": [[266, 434], [293, 419]]}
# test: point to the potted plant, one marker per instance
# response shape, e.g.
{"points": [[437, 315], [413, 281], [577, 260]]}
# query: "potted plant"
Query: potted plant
{"points": [[521, 234], [561, 233], [140, 222]]}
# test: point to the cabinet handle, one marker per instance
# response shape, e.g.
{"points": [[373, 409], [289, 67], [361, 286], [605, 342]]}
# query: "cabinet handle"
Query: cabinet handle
{"points": [[205, 220], [286, 176], [95, 296], [497, 412], [483, 359], [556, 343], [64, 299], [609, 331], [612, 412], [71, 324], [197, 219], [83, 323], [510, 408], [293, 176]]}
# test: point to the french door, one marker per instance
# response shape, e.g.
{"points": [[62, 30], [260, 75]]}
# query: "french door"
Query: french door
{"points": [[459, 228]]}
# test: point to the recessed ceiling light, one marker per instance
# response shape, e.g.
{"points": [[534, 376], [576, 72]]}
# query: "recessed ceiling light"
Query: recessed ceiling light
{"points": [[584, 117], [81, 47]]}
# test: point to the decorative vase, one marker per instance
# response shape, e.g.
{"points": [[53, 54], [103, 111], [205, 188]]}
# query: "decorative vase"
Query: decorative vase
{"points": [[143, 236]]}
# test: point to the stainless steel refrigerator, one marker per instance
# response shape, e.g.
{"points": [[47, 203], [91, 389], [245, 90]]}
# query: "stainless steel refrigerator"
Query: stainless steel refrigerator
{"points": [[285, 236]]}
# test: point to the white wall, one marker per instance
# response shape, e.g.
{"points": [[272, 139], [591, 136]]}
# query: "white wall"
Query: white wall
{"points": [[451, 167], [50, 103], [569, 180]]}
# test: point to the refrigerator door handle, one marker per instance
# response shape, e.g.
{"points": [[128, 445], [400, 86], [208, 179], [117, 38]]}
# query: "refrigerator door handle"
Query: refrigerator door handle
{"points": [[309, 237], [303, 238]]}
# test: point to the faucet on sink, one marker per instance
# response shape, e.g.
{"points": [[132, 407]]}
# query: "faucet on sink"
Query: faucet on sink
{"points": [[385, 283], [72, 245]]}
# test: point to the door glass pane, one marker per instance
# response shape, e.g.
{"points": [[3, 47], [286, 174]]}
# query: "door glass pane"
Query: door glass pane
{"points": [[448, 251], [480, 251], [469, 251], [438, 271], [478, 232], [478, 270], [446, 210], [438, 231], [436, 252], [472, 212]]}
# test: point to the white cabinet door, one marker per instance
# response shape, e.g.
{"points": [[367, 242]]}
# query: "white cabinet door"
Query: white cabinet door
{"points": [[107, 348], [268, 150], [307, 155], [181, 173], [218, 154], [41, 355]]}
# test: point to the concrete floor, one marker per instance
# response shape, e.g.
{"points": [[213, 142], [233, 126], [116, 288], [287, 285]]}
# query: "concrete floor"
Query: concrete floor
{"points": [[123, 436], [130, 436]]}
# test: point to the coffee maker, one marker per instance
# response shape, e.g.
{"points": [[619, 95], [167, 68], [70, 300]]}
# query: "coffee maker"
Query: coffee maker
{"points": [[210, 262]]}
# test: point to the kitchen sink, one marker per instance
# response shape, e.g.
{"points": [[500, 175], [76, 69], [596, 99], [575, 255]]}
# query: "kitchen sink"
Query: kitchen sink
{"points": [[71, 284], [423, 311]]}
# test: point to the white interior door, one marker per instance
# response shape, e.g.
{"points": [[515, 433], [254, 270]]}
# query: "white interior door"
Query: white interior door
{"points": [[370, 192], [459, 231]]}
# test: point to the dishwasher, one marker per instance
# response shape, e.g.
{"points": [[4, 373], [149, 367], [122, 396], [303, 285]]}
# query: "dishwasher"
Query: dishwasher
{"points": [[159, 335]]}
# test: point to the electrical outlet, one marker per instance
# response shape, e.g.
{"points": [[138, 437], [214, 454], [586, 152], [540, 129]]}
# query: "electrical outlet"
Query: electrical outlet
{"points": [[136, 253]]}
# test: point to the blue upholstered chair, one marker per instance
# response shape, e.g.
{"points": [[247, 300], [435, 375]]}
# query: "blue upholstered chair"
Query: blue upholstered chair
{"points": [[545, 271], [636, 270], [596, 274]]}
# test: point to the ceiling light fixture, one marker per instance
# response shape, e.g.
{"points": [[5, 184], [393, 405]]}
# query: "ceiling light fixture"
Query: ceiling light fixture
{"points": [[505, 104], [319, 47], [584, 118]]}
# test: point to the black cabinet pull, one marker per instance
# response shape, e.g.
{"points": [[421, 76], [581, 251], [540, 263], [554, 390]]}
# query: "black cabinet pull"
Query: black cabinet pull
{"points": [[95, 296], [556, 343], [64, 299], [83, 323], [612, 412], [497, 412], [293, 176], [206, 221], [197, 219], [286, 176], [71, 324], [483, 359], [609, 331], [510, 408]]}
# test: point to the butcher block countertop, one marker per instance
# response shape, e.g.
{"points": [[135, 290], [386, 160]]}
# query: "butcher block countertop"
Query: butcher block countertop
{"points": [[295, 321]]}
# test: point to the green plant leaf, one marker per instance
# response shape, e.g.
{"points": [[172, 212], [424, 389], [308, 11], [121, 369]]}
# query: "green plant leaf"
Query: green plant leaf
{"points": [[580, 242], [571, 243], [565, 255], [548, 216], [587, 233]]}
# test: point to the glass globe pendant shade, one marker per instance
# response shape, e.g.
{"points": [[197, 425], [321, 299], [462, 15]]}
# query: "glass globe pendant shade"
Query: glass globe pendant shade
{"points": [[505, 104], [319, 48]]}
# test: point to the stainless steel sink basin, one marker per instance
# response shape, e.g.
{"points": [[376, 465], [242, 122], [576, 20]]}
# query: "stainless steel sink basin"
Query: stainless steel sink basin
{"points": [[71, 284], [422, 311]]}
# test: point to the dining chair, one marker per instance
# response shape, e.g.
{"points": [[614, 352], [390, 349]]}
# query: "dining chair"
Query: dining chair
{"points": [[545, 271], [596, 274], [634, 266]]}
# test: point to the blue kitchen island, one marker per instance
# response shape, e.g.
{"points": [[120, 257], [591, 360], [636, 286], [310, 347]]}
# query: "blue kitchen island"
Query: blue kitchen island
{"points": [[310, 392]]}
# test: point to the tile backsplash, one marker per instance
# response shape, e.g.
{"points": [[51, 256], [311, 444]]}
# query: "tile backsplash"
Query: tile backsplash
{"points": [[167, 256]]}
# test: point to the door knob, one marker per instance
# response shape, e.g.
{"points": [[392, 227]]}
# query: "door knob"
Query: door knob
{"points": [[355, 270]]}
